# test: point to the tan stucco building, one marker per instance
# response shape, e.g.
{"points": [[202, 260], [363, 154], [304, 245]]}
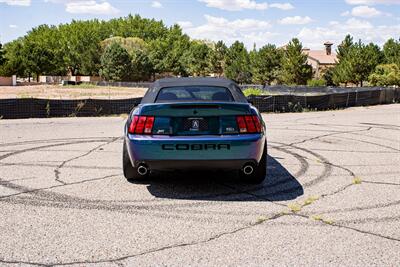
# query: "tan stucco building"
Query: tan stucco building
{"points": [[321, 60]]}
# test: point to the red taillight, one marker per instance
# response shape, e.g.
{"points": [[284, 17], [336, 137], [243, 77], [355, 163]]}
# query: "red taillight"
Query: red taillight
{"points": [[257, 123], [141, 125], [251, 128], [132, 127], [148, 127], [241, 124], [249, 124]]}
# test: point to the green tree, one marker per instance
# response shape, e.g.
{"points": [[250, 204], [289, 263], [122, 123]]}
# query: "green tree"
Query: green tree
{"points": [[196, 59], [81, 47], [342, 72], [115, 63], [357, 63], [295, 69], [391, 51], [238, 63], [142, 68], [14, 60], [165, 53], [39, 50], [131, 44], [385, 75], [216, 58], [266, 64], [136, 26], [328, 77], [362, 60], [2, 59], [344, 47]]}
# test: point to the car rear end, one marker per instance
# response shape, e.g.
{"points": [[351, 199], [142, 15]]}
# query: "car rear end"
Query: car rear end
{"points": [[195, 135]]}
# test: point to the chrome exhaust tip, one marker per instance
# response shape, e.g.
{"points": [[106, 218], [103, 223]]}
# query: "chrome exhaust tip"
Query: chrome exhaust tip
{"points": [[248, 169], [142, 170]]}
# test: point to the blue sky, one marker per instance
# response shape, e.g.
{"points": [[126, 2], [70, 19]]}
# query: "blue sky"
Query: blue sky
{"points": [[250, 21]]}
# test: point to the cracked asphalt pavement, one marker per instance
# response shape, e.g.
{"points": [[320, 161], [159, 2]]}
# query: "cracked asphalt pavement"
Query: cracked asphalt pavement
{"points": [[331, 197]]}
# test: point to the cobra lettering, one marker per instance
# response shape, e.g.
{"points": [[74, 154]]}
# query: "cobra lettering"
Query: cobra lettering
{"points": [[195, 146]]}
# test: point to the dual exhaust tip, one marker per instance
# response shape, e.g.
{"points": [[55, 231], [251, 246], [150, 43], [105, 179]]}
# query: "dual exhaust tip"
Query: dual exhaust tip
{"points": [[143, 169], [248, 169]]}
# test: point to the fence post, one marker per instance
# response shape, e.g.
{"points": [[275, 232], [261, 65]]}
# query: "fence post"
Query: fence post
{"points": [[273, 104], [347, 101], [355, 103], [305, 101]]}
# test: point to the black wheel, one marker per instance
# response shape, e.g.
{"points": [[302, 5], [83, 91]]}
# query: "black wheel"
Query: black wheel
{"points": [[259, 172], [130, 172]]}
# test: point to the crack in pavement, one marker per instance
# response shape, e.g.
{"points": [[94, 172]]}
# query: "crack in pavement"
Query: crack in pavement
{"points": [[54, 186], [185, 244], [339, 191], [57, 170], [55, 165], [326, 135], [382, 183], [334, 224]]}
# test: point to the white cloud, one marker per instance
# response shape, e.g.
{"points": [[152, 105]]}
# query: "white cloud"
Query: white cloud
{"points": [[156, 4], [90, 7], [365, 12], [345, 14], [16, 2], [296, 20], [219, 28], [359, 29], [372, 2], [185, 24], [13, 26], [283, 6], [235, 5]]}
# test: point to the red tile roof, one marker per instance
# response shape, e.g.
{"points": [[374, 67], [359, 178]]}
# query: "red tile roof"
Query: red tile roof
{"points": [[321, 56]]}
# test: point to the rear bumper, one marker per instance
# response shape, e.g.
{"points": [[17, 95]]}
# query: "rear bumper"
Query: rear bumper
{"points": [[183, 152], [171, 165]]}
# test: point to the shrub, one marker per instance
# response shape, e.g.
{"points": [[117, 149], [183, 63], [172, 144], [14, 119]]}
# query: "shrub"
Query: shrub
{"points": [[385, 75], [316, 82], [253, 91]]}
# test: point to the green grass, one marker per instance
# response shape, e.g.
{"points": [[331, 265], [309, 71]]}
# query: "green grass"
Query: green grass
{"points": [[357, 180], [262, 219], [85, 85], [24, 95], [310, 200], [93, 86], [319, 218], [294, 207]]}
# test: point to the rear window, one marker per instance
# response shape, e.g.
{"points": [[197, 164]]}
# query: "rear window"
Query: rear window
{"points": [[194, 93]]}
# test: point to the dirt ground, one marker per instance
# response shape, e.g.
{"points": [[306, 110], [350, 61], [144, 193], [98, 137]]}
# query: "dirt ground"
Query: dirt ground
{"points": [[69, 92]]}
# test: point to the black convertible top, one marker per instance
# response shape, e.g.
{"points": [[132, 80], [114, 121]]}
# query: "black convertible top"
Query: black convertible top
{"points": [[152, 92]]}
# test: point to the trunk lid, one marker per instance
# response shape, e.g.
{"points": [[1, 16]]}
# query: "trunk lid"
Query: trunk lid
{"points": [[195, 118]]}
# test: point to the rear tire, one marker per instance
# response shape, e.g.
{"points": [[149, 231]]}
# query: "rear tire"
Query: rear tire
{"points": [[260, 171], [130, 172]]}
